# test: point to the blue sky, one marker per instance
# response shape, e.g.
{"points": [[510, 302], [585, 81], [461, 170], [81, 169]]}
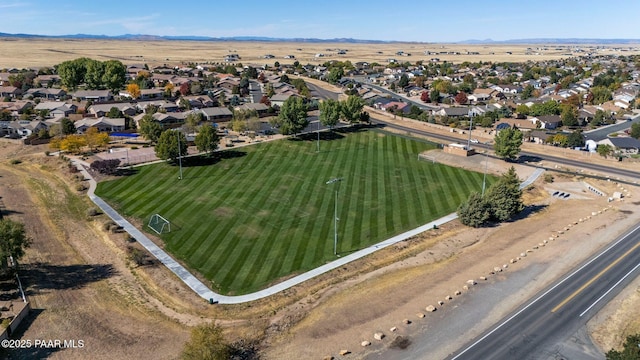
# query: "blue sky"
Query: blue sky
{"points": [[424, 21]]}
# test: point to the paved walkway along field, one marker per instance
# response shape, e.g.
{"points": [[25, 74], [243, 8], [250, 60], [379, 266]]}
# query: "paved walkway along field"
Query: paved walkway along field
{"points": [[203, 291]]}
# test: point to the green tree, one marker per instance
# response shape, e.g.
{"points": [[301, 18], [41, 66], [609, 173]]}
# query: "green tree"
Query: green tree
{"points": [[192, 121], [527, 92], [352, 108], [13, 241], [336, 73], [630, 349], [522, 109], [404, 81], [604, 150], [72, 72], [207, 139], [474, 212], [635, 130], [68, 126], [114, 113], [505, 196], [575, 139], [150, 128], [434, 95], [507, 143], [329, 113], [206, 343], [114, 75], [569, 115], [601, 94], [293, 116], [167, 146], [93, 74]]}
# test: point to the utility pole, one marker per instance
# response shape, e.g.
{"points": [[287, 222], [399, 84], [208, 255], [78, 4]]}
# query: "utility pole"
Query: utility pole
{"points": [[179, 155], [335, 217]]}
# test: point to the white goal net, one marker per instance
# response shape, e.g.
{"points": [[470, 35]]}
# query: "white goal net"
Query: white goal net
{"points": [[159, 224], [423, 157]]}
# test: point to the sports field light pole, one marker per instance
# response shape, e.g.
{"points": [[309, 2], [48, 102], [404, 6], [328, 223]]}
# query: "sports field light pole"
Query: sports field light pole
{"points": [[335, 217], [318, 149], [484, 178], [179, 155], [470, 126]]}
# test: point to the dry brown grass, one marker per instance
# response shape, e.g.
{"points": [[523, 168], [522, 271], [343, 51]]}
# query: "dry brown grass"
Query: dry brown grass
{"points": [[47, 52]]}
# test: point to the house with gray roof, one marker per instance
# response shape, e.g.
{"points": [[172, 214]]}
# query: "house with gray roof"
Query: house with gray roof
{"points": [[93, 95], [624, 145], [217, 114], [103, 124]]}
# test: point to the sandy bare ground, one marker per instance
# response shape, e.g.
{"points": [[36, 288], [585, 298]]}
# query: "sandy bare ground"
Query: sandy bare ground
{"points": [[23, 53]]}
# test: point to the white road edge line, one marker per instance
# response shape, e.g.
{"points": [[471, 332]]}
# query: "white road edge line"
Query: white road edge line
{"points": [[608, 291], [545, 293]]}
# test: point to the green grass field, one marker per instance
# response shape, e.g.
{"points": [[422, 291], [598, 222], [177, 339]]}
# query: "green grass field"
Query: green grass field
{"points": [[263, 212]]}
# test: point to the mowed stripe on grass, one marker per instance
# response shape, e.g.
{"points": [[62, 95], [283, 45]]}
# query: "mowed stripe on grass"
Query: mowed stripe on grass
{"points": [[264, 212]]}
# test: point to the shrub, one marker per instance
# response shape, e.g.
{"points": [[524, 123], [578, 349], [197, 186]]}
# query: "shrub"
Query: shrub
{"points": [[136, 255], [15, 161], [93, 212], [108, 167], [134, 148], [47, 153], [108, 225], [81, 187], [548, 178]]}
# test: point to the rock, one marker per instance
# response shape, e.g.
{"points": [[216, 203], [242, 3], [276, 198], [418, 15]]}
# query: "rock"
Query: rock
{"points": [[535, 247], [344, 352], [406, 321], [465, 287], [505, 266], [524, 254], [497, 269], [393, 329], [513, 261], [594, 213], [457, 292], [471, 282], [483, 278], [420, 315], [448, 297], [545, 242], [378, 336], [430, 308], [440, 302], [560, 232], [529, 250], [328, 357], [365, 343], [551, 238]]}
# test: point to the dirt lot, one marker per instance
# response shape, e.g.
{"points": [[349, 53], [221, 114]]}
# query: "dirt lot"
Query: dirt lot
{"points": [[83, 287], [21, 53]]}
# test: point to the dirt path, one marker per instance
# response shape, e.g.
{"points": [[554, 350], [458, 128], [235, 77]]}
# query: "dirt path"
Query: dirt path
{"points": [[79, 284]]}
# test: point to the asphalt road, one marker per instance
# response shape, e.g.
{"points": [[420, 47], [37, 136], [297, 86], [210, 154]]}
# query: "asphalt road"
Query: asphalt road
{"points": [[534, 157], [540, 328]]}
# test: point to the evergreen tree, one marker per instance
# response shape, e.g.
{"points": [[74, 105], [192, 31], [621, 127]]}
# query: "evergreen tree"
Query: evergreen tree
{"points": [[505, 196], [507, 143], [474, 212]]}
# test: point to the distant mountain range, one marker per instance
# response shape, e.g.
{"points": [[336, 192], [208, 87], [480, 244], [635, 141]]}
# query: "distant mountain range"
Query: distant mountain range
{"points": [[142, 37]]}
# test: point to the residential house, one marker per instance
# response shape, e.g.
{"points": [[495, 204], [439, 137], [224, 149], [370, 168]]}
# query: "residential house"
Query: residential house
{"points": [[539, 136], [232, 58], [100, 110], [453, 112], [260, 108], [167, 120], [4, 78], [396, 107], [56, 108], [10, 92], [217, 114], [16, 107], [168, 106], [279, 99], [25, 128], [47, 81], [155, 93], [549, 122], [199, 101], [47, 93], [103, 124], [93, 95], [624, 145]]}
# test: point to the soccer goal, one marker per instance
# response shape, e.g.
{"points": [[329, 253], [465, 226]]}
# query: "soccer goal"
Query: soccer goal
{"points": [[159, 224], [423, 157]]}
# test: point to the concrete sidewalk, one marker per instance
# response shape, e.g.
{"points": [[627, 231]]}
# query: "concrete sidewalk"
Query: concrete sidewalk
{"points": [[204, 292]]}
